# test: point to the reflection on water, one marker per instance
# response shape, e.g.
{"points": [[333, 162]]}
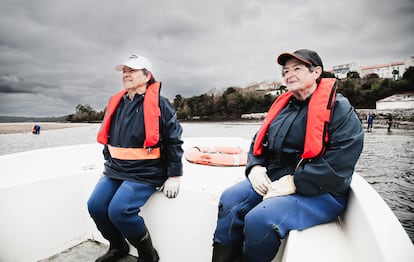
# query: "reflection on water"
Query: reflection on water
{"points": [[387, 161]]}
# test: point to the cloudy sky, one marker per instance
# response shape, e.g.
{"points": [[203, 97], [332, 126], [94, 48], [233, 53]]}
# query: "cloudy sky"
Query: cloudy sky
{"points": [[55, 55]]}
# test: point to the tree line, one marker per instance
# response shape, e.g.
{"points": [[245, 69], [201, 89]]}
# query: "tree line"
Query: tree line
{"points": [[235, 101], [85, 113]]}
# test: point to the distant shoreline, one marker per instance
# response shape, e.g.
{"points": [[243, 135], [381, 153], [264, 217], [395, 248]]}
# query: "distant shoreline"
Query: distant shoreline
{"points": [[26, 127]]}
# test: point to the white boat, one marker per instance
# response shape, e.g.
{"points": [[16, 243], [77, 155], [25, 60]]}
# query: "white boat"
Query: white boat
{"points": [[43, 195]]}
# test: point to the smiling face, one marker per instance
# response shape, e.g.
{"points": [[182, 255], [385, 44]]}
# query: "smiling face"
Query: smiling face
{"points": [[299, 78], [135, 80]]}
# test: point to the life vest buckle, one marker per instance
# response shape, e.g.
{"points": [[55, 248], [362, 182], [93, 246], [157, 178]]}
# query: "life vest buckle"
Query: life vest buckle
{"points": [[302, 162]]}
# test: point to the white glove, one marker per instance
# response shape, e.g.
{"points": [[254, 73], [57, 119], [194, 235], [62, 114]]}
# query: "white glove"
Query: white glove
{"points": [[171, 186], [282, 187], [259, 180]]}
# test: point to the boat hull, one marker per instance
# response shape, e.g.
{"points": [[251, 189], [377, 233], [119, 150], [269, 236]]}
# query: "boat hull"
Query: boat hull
{"points": [[43, 195]]}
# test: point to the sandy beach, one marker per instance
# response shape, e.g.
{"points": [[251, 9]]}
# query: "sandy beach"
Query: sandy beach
{"points": [[16, 128]]}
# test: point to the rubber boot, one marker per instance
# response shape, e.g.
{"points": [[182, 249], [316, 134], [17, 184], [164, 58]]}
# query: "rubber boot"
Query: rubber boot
{"points": [[146, 252], [244, 259], [226, 253], [117, 250]]}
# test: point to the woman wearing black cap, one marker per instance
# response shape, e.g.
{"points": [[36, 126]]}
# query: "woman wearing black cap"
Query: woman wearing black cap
{"points": [[299, 167]]}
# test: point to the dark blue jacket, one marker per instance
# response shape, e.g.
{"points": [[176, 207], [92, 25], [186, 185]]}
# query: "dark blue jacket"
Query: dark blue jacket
{"points": [[127, 130], [331, 173]]}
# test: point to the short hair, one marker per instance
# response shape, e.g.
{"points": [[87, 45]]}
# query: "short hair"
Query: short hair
{"points": [[311, 69], [147, 72]]}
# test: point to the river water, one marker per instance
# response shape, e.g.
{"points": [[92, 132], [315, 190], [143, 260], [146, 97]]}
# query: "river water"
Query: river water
{"points": [[387, 160]]}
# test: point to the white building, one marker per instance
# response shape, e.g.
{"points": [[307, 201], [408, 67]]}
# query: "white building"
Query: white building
{"points": [[393, 70], [397, 101], [341, 71], [273, 88]]}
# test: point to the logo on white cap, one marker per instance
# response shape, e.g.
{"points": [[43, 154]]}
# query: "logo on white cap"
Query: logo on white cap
{"points": [[135, 62]]}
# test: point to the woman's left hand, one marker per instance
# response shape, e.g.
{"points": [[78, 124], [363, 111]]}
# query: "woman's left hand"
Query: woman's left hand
{"points": [[282, 187]]}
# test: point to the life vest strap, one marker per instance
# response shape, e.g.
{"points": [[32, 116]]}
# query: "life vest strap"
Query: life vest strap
{"points": [[134, 153]]}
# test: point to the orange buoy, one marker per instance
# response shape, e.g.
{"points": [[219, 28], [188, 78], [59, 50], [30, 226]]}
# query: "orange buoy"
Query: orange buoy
{"points": [[217, 156]]}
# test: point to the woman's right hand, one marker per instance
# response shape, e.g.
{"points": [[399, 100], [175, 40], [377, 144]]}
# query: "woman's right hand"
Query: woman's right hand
{"points": [[259, 180]]}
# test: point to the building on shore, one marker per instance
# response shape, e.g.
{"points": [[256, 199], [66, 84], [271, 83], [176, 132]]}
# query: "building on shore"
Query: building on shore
{"points": [[393, 70], [397, 101], [341, 71]]}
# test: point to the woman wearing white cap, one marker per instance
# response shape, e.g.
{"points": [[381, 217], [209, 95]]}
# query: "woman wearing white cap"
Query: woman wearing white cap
{"points": [[143, 151]]}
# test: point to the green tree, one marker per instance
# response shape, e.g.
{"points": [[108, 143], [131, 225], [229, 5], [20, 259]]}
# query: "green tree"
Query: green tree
{"points": [[326, 74], [178, 101], [395, 74], [362, 93], [372, 76], [80, 109], [352, 74], [85, 113], [409, 75]]}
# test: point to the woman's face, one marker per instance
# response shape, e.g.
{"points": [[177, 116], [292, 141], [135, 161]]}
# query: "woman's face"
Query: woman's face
{"points": [[299, 79], [134, 78]]}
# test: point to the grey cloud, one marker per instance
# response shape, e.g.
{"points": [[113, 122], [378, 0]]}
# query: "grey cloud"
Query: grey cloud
{"points": [[14, 84], [11, 89], [55, 55]]}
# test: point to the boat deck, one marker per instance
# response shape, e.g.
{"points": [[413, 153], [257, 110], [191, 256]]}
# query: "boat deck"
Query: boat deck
{"points": [[86, 251]]}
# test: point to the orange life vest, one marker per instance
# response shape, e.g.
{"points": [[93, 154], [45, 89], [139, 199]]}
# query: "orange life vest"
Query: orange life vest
{"points": [[152, 115], [319, 114]]}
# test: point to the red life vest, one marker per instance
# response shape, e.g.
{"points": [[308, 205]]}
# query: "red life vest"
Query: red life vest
{"points": [[152, 115], [319, 114]]}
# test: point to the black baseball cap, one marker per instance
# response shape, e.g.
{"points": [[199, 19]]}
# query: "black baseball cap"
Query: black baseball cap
{"points": [[305, 55]]}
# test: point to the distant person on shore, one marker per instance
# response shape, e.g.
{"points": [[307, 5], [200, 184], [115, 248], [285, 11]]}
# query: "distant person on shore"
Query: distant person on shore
{"points": [[389, 121], [36, 129], [370, 121], [143, 153], [297, 175]]}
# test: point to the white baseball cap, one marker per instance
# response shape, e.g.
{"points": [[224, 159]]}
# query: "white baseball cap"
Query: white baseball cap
{"points": [[135, 62]]}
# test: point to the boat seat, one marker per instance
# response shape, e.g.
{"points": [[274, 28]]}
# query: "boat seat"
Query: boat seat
{"points": [[320, 243]]}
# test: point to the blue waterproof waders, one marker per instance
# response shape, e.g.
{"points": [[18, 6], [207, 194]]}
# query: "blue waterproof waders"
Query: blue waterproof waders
{"points": [[246, 220]]}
